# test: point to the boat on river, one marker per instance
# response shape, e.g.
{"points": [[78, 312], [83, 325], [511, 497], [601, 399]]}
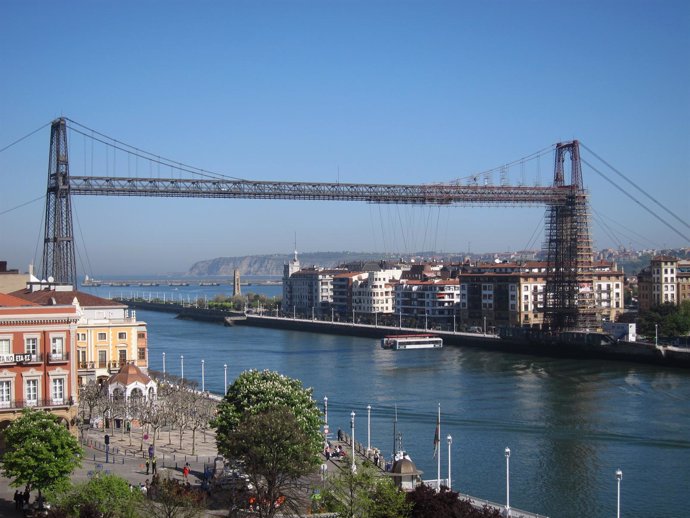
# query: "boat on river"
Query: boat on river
{"points": [[422, 341]]}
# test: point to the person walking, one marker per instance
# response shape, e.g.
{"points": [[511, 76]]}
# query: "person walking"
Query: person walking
{"points": [[185, 472], [148, 462], [153, 465]]}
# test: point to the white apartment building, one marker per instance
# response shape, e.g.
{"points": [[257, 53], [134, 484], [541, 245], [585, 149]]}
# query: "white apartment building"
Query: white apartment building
{"points": [[375, 293]]}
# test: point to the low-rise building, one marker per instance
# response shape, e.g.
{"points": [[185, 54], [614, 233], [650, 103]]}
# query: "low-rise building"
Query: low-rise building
{"points": [[108, 335], [36, 359]]}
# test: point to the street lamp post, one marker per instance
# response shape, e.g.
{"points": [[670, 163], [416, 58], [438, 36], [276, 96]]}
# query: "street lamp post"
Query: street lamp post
{"points": [[182, 367], [163, 365], [325, 409], [656, 334], [225, 377], [203, 377], [368, 428], [352, 428], [619, 477], [450, 441], [507, 452], [484, 325]]}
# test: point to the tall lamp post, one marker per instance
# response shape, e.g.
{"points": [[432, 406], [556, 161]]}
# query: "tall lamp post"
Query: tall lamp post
{"points": [[368, 428], [507, 452], [203, 377], [619, 477], [163, 365], [325, 409], [225, 377], [182, 367], [352, 428], [450, 441], [656, 334]]}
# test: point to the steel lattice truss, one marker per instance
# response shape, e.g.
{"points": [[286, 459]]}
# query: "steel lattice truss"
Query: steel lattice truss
{"points": [[428, 194], [568, 300]]}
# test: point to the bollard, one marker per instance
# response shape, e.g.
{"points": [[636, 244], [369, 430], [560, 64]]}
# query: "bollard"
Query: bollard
{"points": [[94, 457]]}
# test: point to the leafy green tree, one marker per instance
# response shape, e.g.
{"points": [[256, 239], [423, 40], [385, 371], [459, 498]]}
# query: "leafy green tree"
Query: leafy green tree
{"points": [[256, 392], [41, 453], [671, 320], [271, 423], [274, 453], [106, 496], [365, 494]]}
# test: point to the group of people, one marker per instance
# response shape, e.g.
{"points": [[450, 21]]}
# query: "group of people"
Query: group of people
{"points": [[334, 453]]}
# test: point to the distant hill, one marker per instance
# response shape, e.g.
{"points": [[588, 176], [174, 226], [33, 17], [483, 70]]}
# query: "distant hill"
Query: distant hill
{"points": [[273, 264]]}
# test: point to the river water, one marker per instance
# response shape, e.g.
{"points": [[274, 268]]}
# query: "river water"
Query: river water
{"points": [[569, 423]]}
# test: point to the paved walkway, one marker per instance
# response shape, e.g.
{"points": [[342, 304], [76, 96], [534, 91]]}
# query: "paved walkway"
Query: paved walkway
{"points": [[126, 458], [128, 461]]}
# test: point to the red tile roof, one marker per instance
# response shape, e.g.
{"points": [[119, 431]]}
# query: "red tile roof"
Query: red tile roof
{"points": [[12, 301], [49, 297]]}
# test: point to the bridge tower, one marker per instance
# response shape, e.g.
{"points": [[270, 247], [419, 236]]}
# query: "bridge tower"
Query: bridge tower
{"points": [[569, 296], [58, 242]]}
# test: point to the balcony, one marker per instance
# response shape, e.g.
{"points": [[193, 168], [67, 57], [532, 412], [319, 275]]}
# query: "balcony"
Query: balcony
{"points": [[62, 357], [90, 366], [20, 359], [18, 404]]}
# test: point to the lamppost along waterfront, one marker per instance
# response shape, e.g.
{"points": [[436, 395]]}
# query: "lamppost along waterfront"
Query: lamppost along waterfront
{"points": [[182, 367], [203, 378], [352, 428], [163, 365], [325, 409], [225, 377], [507, 451], [619, 477], [368, 428], [656, 334], [450, 441]]}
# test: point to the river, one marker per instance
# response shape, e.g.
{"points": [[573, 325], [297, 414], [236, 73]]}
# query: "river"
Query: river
{"points": [[568, 423]]}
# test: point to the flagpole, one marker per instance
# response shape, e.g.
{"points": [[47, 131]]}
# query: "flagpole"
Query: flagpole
{"points": [[438, 454]]}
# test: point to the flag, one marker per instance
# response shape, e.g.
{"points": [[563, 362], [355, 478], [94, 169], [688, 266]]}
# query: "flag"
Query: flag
{"points": [[437, 438]]}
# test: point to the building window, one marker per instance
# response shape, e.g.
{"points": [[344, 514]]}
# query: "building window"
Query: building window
{"points": [[102, 359], [31, 346], [57, 347], [102, 337], [141, 336], [5, 393], [122, 335], [81, 337], [58, 390], [5, 347], [31, 392]]}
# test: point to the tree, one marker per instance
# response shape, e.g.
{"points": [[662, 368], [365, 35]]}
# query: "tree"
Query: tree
{"points": [[173, 499], [106, 496], [41, 453], [272, 425], [365, 493], [671, 320], [274, 453], [427, 503], [254, 392]]}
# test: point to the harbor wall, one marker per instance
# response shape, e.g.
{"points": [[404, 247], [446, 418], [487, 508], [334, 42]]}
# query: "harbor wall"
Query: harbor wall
{"points": [[639, 352]]}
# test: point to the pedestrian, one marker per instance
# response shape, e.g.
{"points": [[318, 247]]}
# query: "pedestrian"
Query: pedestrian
{"points": [[18, 499], [153, 465], [150, 451], [185, 471], [148, 462], [376, 459], [340, 434]]}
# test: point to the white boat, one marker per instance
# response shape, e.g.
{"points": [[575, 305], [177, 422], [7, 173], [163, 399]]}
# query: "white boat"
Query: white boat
{"points": [[411, 342]]}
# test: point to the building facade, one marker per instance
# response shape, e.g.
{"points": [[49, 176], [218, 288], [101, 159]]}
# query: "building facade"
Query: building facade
{"points": [[36, 359], [108, 335]]}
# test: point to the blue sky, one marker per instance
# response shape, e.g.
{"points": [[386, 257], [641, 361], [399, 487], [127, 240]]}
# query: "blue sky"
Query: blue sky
{"points": [[349, 91]]}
